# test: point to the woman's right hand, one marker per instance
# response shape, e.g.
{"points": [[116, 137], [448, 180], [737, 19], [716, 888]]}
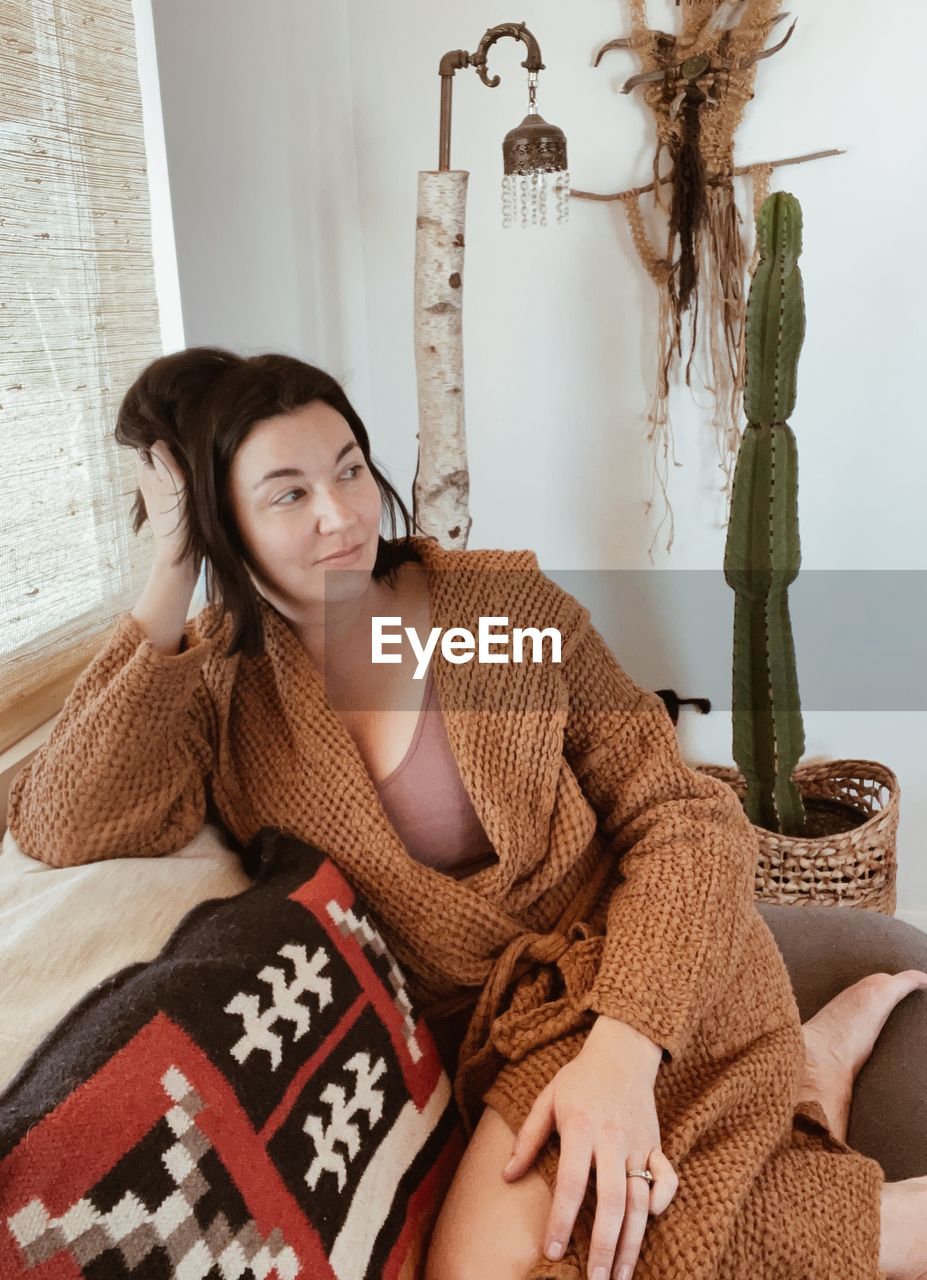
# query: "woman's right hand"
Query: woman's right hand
{"points": [[164, 490]]}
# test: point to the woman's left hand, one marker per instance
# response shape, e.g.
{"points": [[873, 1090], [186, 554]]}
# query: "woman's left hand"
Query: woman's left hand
{"points": [[602, 1105]]}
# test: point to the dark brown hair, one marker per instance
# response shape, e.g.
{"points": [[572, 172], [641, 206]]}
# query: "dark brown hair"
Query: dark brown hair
{"points": [[204, 402]]}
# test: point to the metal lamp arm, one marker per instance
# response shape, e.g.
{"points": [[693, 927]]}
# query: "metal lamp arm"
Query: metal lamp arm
{"points": [[457, 59], [518, 31]]}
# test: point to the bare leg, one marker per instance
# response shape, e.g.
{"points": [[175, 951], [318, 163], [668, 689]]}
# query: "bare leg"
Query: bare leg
{"points": [[488, 1227], [903, 1244], [840, 1037]]}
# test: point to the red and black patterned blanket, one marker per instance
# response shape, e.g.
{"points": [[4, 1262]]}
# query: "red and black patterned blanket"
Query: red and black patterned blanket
{"points": [[260, 1102]]}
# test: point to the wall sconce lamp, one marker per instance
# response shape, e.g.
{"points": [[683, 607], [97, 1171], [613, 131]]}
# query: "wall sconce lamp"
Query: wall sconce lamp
{"points": [[534, 153]]}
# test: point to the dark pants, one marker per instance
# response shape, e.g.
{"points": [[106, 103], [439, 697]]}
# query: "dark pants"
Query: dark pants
{"points": [[829, 948]]}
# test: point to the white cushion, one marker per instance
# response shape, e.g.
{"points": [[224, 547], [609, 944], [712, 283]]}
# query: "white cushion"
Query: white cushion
{"points": [[64, 929]]}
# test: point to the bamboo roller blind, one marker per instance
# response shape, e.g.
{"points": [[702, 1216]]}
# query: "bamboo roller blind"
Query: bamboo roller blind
{"points": [[78, 321]]}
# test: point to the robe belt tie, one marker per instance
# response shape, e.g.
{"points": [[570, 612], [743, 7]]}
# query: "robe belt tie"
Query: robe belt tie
{"points": [[526, 951]]}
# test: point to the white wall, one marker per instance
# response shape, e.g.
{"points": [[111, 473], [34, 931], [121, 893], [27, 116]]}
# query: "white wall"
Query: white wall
{"points": [[164, 249], [561, 325], [294, 136], [259, 135]]}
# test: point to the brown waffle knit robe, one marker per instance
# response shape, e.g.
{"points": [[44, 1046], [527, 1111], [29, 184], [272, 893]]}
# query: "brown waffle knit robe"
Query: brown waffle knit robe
{"points": [[568, 766]]}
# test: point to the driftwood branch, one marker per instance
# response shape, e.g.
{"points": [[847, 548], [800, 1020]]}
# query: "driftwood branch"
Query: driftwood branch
{"points": [[738, 171]]}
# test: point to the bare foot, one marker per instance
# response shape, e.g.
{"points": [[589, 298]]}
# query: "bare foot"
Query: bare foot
{"points": [[903, 1229], [840, 1037]]}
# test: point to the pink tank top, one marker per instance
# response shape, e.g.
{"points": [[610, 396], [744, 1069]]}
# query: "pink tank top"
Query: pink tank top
{"points": [[427, 803]]}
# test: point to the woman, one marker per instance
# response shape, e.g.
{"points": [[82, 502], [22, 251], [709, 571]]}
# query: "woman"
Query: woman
{"points": [[572, 905]]}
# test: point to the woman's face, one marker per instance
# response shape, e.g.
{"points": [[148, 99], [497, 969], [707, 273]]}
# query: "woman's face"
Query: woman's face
{"points": [[327, 501]]}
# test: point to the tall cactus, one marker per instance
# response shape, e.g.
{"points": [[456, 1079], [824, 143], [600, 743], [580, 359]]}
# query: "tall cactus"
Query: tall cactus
{"points": [[762, 553]]}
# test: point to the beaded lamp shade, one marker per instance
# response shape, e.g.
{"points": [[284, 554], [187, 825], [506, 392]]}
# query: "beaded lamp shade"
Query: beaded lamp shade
{"points": [[533, 154]]}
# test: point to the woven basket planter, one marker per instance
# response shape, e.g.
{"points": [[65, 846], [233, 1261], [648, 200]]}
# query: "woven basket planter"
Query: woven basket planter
{"points": [[846, 857]]}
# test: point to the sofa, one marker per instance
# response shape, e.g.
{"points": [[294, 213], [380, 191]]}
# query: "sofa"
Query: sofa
{"points": [[62, 931]]}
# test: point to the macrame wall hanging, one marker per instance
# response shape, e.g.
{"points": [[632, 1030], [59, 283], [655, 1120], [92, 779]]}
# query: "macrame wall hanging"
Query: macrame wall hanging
{"points": [[697, 84]]}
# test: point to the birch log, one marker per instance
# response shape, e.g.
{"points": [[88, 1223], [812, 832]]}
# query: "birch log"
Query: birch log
{"points": [[441, 491]]}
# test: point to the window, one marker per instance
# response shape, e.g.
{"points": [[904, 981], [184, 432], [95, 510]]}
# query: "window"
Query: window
{"points": [[78, 321]]}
